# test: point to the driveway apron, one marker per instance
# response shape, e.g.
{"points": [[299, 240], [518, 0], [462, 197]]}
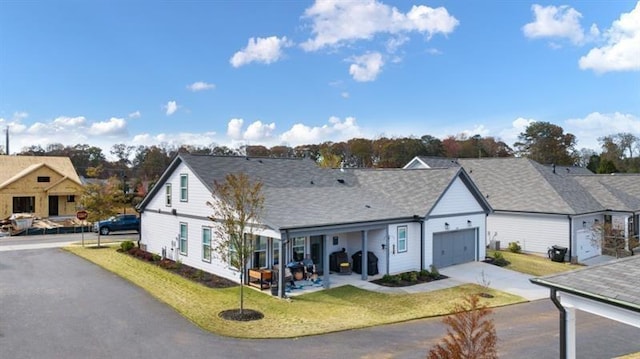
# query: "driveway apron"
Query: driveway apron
{"points": [[497, 278]]}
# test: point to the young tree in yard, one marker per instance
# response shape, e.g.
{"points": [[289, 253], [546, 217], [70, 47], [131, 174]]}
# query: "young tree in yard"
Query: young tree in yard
{"points": [[237, 207], [471, 333], [99, 200]]}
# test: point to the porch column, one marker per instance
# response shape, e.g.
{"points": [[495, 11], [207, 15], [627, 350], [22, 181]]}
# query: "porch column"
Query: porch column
{"points": [[325, 268], [365, 256], [284, 238], [570, 325]]}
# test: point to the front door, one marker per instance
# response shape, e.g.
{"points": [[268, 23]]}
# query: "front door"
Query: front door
{"points": [[53, 206], [317, 254]]}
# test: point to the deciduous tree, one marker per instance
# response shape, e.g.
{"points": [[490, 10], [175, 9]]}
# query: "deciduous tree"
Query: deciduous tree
{"points": [[237, 209]]}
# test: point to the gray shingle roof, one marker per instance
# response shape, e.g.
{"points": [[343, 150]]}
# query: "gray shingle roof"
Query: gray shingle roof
{"points": [[618, 192], [298, 193], [616, 281], [439, 162]]}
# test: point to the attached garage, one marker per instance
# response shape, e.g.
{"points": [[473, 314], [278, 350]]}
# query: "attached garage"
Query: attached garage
{"points": [[455, 247]]}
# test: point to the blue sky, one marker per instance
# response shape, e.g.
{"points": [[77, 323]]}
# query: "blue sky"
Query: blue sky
{"points": [[297, 72]]}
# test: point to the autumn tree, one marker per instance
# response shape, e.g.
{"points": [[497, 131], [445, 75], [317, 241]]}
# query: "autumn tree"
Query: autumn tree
{"points": [[432, 146], [237, 209], [99, 199], [471, 333], [547, 143]]}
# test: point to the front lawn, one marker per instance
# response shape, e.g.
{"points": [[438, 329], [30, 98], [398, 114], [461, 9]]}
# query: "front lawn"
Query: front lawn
{"points": [[320, 312], [533, 264]]}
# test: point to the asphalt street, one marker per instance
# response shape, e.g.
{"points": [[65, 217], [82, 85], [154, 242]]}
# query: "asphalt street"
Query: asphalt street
{"points": [[56, 305]]}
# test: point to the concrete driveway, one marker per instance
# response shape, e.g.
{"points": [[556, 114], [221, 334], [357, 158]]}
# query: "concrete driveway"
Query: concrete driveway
{"points": [[498, 278]]}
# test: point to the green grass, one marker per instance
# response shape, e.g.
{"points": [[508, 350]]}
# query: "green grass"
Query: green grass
{"points": [[320, 312], [533, 264]]}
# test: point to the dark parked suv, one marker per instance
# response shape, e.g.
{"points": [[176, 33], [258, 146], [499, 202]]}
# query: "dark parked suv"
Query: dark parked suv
{"points": [[121, 222]]}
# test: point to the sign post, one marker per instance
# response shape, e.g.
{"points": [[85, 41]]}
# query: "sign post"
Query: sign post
{"points": [[82, 216]]}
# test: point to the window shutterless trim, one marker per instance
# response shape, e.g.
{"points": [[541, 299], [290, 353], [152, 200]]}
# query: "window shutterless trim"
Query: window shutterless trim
{"points": [[184, 248], [184, 188], [168, 197], [405, 239], [206, 247]]}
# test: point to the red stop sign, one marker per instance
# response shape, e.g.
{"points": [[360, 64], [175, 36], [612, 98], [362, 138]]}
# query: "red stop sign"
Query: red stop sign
{"points": [[82, 215]]}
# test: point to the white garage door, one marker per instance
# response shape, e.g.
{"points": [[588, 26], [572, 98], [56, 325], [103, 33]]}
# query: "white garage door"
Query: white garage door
{"points": [[587, 247], [454, 247]]}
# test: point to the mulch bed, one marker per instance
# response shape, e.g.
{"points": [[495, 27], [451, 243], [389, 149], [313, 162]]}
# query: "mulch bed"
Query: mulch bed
{"points": [[196, 275], [405, 283], [246, 315]]}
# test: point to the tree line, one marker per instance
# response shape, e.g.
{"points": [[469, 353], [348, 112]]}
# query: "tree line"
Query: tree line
{"points": [[541, 141]]}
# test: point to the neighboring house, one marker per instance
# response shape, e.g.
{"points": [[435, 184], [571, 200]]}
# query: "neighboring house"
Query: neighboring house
{"points": [[610, 290], [541, 206], [40, 185], [409, 220]]}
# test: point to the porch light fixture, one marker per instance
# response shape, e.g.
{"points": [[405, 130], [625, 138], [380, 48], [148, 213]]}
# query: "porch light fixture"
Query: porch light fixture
{"points": [[596, 221], [584, 224], [469, 223], [383, 245], [446, 226]]}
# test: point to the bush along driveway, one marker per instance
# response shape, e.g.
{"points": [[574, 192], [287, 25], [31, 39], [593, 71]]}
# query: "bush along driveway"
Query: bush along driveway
{"points": [[331, 310]]}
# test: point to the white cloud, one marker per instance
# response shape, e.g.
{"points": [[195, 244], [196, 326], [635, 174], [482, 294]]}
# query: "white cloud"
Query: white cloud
{"points": [[175, 139], [434, 51], [477, 130], [200, 86], [113, 127], [234, 128], [622, 49], [395, 42], [555, 22], [171, 107], [518, 126], [20, 115], [335, 130], [344, 94], [135, 114], [596, 124], [258, 131], [366, 67], [262, 50], [64, 121], [336, 22]]}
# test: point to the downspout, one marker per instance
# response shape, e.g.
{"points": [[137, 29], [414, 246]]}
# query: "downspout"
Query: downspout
{"points": [[571, 240], [422, 224], [563, 324]]}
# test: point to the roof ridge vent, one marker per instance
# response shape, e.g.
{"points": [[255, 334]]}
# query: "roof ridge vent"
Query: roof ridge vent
{"points": [[340, 180]]}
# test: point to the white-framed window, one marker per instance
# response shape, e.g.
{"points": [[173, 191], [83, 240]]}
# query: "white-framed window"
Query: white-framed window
{"points": [[298, 248], [206, 244], [260, 252], [402, 239], [184, 187], [167, 194], [183, 238]]}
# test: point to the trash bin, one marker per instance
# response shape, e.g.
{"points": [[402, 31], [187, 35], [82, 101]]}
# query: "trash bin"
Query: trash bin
{"points": [[372, 263], [558, 253], [274, 289]]}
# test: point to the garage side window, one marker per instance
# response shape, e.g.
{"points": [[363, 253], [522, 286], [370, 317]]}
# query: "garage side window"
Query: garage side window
{"points": [[183, 239], [402, 239]]}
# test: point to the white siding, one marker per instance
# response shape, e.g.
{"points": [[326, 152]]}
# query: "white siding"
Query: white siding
{"points": [[161, 230], [197, 198], [436, 225], [535, 233], [404, 261], [583, 246], [457, 199]]}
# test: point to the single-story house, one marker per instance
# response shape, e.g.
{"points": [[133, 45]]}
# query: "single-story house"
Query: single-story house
{"points": [[40, 185], [409, 220], [610, 290], [539, 206]]}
